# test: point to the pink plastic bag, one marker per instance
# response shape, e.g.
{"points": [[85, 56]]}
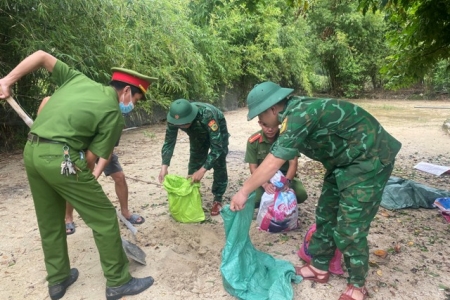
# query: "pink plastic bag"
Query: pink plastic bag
{"points": [[335, 263]]}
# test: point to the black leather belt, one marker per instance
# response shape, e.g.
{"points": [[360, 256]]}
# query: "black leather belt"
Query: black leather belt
{"points": [[37, 139]]}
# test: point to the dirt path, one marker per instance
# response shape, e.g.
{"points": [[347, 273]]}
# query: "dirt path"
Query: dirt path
{"points": [[184, 259]]}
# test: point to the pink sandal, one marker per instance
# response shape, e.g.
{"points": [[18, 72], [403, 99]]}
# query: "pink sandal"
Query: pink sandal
{"points": [[317, 277], [348, 293]]}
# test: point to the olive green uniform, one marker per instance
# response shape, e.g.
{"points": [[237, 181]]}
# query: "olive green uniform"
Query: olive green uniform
{"points": [[258, 146], [358, 155], [208, 132], [80, 115]]}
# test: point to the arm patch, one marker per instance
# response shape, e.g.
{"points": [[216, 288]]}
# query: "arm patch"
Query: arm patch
{"points": [[213, 125]]}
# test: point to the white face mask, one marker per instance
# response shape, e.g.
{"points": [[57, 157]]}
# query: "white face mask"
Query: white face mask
{"points": [[126, 109]]}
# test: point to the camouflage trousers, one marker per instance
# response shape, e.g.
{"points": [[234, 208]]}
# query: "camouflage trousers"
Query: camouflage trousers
{"points": [[343, 218], [197, 159]]}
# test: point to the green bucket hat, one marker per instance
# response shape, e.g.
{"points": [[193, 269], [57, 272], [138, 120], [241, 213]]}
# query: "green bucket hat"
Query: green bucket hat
{"points": [[181, 112], [263, 96]]}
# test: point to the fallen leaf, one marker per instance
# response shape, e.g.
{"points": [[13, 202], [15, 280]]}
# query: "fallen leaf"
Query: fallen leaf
{"points": [[385, 214], [373, 264], [380, 273], [380, 253], [410, 243]]}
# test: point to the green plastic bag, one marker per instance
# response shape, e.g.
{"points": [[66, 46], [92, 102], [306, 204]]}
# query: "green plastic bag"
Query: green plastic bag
{"points": [[248, 273], [185, 201]]}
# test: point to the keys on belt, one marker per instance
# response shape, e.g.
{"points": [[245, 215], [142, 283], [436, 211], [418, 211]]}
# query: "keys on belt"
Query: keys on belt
{"points": [[67, 167]]}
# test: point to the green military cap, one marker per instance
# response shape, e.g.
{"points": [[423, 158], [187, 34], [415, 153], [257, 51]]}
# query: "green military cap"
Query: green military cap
{"points": [[181, 112], [263, 96], [134, 78]]}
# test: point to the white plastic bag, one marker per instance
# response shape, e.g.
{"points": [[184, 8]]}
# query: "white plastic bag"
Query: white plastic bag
{"points": [[278, 212]]}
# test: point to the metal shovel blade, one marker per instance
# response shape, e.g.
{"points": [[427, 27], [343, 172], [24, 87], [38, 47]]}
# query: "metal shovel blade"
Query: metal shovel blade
{"points": [[134, 252]]}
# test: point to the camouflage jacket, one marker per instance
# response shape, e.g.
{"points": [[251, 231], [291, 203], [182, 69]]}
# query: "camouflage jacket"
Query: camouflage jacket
{"points": [[335, 132], [208, 128]]}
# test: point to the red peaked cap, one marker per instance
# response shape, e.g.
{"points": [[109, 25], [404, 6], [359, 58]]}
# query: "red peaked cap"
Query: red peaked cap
{"points": [[134, 78]]}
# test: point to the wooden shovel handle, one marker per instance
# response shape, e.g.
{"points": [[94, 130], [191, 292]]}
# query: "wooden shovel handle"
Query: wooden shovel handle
{"points": [[20, 111]]}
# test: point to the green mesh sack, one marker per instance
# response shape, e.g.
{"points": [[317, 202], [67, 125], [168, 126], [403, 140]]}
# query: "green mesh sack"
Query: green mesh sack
{"points": [[248, 273], [185, 201]]}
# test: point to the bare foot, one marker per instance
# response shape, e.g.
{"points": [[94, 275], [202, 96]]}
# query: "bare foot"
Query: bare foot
{"points": [[136, 221], [308, 272], [70, 227]]}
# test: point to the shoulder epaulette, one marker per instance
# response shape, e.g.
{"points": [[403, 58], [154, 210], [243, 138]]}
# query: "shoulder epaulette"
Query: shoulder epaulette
{"points": [[255, 137]]}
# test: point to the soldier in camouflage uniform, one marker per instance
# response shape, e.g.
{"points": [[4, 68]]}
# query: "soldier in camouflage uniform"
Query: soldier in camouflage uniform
{"points": [[358, 155], [207, 130], [258, 146]]}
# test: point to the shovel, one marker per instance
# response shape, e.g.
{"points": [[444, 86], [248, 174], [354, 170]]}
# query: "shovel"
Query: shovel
{"points": [[132, 251]]}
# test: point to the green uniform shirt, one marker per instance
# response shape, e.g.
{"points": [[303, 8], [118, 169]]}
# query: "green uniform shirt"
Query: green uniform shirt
{"points": [[81, 113], [336, 133], [257, 149], [208, 127]]}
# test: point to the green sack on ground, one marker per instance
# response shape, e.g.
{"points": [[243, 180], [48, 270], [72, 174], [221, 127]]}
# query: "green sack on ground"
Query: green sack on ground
{"points": [[403, 193], [248, 273], [185, 201]]}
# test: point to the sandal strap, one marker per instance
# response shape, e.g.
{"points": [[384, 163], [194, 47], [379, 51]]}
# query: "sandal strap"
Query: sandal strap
{"points": [[317, 275], [348, 293]]}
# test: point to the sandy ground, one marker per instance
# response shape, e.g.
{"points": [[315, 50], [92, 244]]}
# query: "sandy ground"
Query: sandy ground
{"points": [[184, 259]]}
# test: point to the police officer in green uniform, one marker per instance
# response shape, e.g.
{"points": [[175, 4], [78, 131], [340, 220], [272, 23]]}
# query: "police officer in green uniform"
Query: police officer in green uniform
{"points": [[258, 146], [81, 122], [207, 130], [358, 154], [113, 169]]}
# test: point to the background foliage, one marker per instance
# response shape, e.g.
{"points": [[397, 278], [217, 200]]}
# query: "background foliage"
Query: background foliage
{"points": [[200, 49]]}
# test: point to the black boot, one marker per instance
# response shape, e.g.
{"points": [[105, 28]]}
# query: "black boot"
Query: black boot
{"points": [[57, 291], [133, 287]]}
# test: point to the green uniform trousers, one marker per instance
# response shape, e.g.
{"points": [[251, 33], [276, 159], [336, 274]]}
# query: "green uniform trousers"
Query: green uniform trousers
{"points": [[50, 192], [343, 218], [296, 185], [197, 158]]}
